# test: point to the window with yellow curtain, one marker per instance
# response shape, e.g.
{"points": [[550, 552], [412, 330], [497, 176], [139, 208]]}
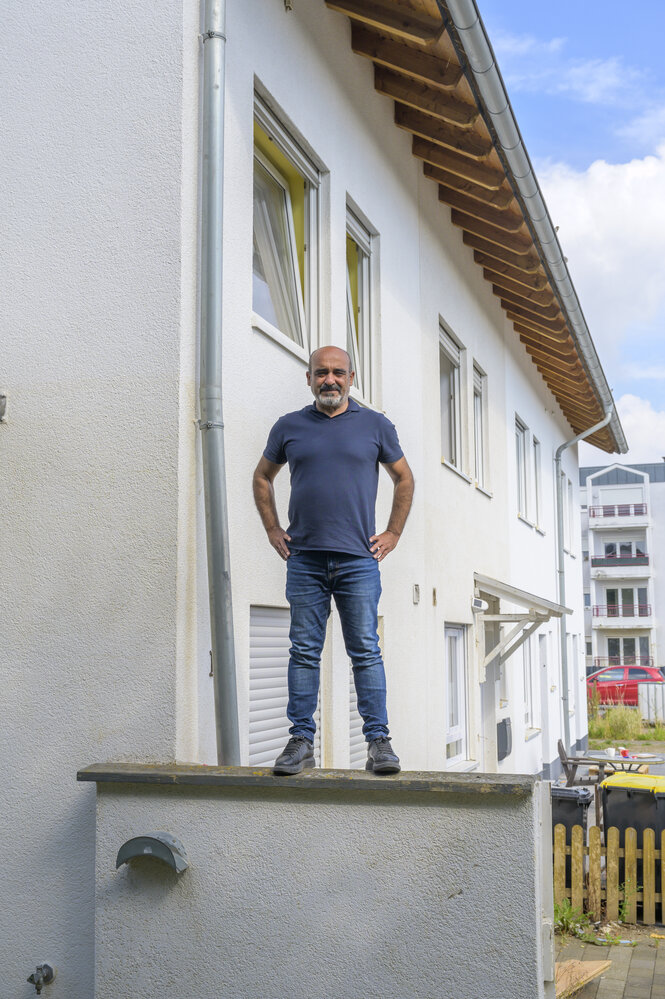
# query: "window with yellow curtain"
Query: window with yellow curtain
{"points": [[285, 235], [359, 303]]}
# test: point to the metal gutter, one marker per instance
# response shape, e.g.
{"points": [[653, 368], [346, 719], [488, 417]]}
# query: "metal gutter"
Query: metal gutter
{"points": [[210, 388], [561, 569], [487, 82]]}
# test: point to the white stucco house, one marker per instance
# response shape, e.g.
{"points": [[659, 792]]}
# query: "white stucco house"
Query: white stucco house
{"points": [[162, 292]]}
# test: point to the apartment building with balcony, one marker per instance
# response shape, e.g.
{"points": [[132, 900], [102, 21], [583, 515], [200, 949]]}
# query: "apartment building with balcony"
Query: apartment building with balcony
{"points": [[623, 543]]}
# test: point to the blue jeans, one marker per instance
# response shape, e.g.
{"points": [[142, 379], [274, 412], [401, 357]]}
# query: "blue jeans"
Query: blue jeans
{"points": [[312, 578]]}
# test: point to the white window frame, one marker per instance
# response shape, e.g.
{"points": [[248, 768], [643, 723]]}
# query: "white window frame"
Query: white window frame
{"points": [[531, 687], [537, 480], [456, 731], [451, 403], [362, 352], [521, 467], [308, 292], [480, 426]]}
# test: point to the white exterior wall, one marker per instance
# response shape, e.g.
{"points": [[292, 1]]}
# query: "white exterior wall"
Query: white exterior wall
{"points": [[105, 627], [425, 274]]}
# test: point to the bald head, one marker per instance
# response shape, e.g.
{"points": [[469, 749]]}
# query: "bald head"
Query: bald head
{"points": [[330, 377], [316, 357]]}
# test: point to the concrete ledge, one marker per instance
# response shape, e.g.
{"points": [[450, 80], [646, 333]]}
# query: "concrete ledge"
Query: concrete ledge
{"points": [[347, 780]]}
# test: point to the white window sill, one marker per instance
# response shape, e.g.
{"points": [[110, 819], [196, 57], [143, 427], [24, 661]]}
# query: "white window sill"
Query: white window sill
{"points": [[485, 492], [540, 530], [261, 325], [365, 403], [567, 551], [462, 767], [532, 733], [525, 520], [453, 468]]}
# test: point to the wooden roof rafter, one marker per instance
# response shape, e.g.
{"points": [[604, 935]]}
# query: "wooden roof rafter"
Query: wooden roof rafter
{"points": [[417, 65]]}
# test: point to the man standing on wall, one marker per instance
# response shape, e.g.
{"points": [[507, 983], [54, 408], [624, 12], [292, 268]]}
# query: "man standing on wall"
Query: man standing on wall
{"points": [[333, 448]]}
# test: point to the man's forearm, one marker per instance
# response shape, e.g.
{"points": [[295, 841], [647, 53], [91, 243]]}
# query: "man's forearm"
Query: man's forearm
{"points": [[264, 497], [402, 498]]}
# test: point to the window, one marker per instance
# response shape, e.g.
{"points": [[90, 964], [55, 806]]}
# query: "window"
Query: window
{"points": [[571, 516], [589, 650], [520, 454], [268, 689], [450, 357], [479, 406], [455, 670], [624, 549], [530, 684], [629, 651], [284, 269], [358, 302], [587, 599], [536, 481]]}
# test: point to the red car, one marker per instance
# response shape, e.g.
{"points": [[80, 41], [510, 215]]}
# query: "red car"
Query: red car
{"points": [[618, 684]]}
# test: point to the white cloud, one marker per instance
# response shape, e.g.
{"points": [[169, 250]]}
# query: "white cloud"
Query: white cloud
{"points": [[647, 128], [541, 66], [645, 372], [506, 45], [596, 81], [644, 427], [611, 220]]}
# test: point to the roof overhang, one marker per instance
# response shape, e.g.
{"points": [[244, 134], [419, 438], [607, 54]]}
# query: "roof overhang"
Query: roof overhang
{"points": [[534, 611], [434, 60]]}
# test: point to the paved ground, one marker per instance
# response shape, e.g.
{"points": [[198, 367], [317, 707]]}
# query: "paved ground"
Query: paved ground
{"points": [[636, 973]]}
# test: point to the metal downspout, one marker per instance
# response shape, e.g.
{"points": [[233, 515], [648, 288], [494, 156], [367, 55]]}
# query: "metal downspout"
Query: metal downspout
{"points": [[210, 388], [560, 566], [501, 122]]}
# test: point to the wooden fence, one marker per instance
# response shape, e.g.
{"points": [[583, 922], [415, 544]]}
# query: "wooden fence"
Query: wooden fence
{"points": [[597, 888]]}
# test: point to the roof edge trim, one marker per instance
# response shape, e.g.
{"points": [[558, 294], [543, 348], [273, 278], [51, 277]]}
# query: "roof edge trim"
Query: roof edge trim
{"points": [[489, 84]]}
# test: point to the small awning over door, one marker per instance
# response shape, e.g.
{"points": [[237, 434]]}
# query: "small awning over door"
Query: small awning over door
{"points": [[534, 611]]}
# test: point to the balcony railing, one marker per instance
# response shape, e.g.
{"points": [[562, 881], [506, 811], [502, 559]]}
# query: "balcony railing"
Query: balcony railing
{"points": [[625, 610], [618, 510], [600, 661], [619, 560]]}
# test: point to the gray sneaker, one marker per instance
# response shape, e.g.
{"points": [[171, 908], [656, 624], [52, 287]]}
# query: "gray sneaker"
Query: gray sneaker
{"points": [[381, 757], [298, 754]]}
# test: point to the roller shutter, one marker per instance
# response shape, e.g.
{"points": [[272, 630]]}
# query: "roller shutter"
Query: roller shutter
{"points": [[268, 690]]}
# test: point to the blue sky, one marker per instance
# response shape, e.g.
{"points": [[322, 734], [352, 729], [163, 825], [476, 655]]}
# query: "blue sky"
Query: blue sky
{"points": [[587, 83]]}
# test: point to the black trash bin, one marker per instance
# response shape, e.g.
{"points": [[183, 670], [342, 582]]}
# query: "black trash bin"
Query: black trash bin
{"points": [[637, 801], [570, 806]]}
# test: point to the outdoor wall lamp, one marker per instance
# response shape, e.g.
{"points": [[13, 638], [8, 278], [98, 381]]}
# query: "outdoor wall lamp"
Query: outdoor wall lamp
{"points": [[159, 845]]}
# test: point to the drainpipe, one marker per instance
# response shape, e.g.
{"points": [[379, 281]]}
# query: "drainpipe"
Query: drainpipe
{"points": [[560, 566], [210, 388], [482, 71]]}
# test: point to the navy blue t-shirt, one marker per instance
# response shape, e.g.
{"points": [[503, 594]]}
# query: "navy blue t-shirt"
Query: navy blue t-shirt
{"points": [[334, 465]]}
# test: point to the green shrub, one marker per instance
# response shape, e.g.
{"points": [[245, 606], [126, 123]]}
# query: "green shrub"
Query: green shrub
{"points": [[618, 724]]}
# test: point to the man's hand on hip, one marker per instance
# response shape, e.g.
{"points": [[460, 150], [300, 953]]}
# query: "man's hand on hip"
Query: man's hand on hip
{"points": [[278, 538], [382, 544]]}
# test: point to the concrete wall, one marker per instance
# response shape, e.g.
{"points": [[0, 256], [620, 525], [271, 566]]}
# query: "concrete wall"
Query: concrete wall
{"points": [[427, 892]]}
